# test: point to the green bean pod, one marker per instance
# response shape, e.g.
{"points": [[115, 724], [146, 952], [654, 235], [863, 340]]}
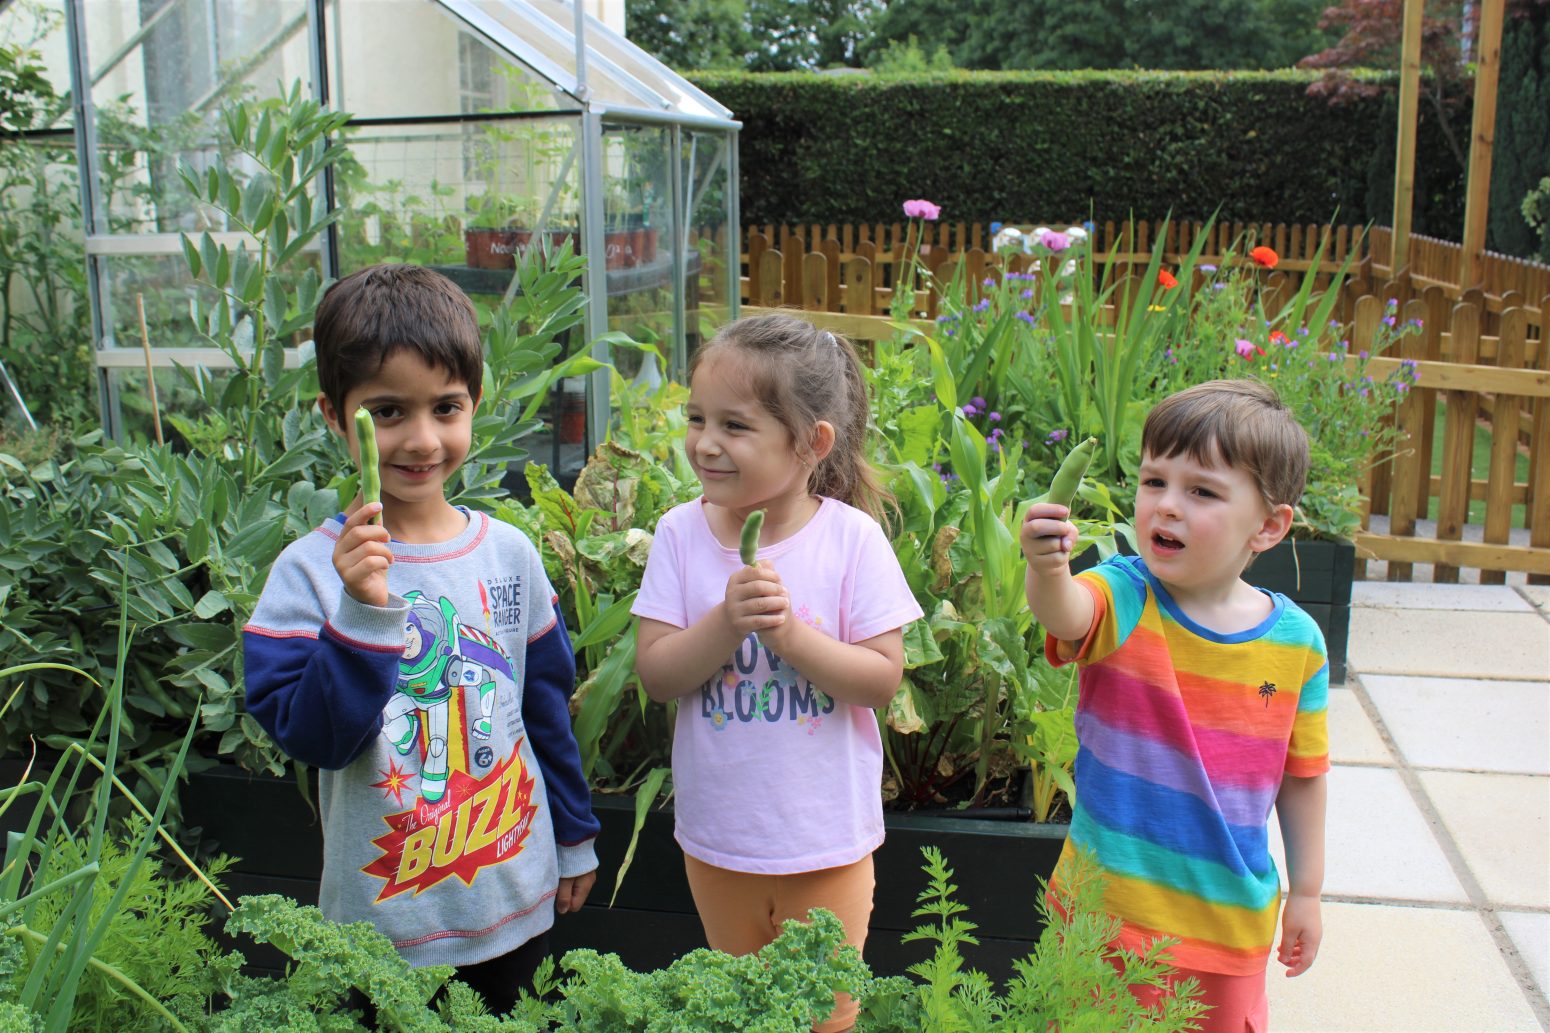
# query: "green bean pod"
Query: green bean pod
{"points": [[1062, 489], [748, 548], [371, 475]]}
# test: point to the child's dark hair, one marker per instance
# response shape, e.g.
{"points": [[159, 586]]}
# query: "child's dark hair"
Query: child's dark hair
{"points": [[370, 314], [802, 375], [1244, 422]]}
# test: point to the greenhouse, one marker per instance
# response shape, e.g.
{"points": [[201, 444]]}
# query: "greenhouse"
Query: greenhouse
{"points": [[479, 132]]}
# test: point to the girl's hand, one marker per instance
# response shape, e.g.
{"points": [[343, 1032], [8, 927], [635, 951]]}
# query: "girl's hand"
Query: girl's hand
{"points": [[362, 557], [756, 600], [1047, 538]]}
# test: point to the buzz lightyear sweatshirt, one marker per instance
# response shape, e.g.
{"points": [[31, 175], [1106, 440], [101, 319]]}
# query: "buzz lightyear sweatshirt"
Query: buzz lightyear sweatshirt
{"points": [[451, 791]]}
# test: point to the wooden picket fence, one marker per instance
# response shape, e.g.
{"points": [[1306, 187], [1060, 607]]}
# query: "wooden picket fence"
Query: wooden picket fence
{"points": [[1483, 359], [854, 269], [1469, 378], [1434, 262]]}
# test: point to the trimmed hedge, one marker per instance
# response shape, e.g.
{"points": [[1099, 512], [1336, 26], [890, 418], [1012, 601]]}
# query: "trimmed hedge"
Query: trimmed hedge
{"points": [[1022, 146]]}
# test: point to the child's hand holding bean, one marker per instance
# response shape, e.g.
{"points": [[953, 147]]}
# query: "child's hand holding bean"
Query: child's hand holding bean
{"points": [[756, 601], [362, 556], [1047, 537]]}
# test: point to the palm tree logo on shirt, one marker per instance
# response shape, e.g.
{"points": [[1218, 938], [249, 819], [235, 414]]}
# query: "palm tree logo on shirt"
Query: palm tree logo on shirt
{"points": [[1267, 689]]}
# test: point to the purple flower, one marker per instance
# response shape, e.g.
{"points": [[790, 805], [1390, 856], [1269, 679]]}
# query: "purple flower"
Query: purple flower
{"points": [[1389, 321], [1206, 267], [969, 410], [1402, 387], [977, 401], [1362, 354], [1057, 436], [1056, 242], [982, 304], [995, 417], [1026, 317], [920, 209], [1027, 294], [1334, 356]]}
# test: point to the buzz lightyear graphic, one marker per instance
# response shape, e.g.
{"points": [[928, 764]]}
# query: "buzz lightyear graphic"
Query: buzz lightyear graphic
{"points": [[442, 658]]}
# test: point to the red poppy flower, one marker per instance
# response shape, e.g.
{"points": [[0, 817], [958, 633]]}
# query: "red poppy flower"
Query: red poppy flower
{"points": [[1166, 280], [1277, 337], [1265, 257]]}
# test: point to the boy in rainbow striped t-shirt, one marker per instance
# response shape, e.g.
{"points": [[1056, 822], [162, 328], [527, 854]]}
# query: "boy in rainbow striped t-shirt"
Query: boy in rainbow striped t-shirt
{"points": [[1202, 699]]}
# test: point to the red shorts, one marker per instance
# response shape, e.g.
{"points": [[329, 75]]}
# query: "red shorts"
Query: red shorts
{"points": [[742, 912], [1238, 1003]]}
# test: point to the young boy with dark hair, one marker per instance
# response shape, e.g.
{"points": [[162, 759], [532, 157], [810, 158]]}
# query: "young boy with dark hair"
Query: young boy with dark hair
{"points": [[421, 662], [1202, 700]]}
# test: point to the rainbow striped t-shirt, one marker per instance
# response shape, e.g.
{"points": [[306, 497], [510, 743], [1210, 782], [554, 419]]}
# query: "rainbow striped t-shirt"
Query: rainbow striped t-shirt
{"points": [[1184, 737]]}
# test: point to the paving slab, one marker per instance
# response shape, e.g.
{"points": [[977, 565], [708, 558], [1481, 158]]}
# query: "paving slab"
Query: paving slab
{"points": [[1353, 738], [1416, 596], [1378, 844], [1501, 824], [1467, 724], [1530, 933], [1539, 595], [1386, 969], [1466, 644]]}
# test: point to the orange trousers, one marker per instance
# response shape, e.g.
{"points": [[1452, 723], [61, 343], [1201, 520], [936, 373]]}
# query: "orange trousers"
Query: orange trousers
{"points": [[742, 911]]}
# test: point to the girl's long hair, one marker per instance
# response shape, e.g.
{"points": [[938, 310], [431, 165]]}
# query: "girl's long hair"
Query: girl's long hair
{"points": [[802, 374]]}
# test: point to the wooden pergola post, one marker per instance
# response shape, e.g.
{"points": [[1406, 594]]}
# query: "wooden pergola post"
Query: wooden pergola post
{"points": [[1404, 157], [1477, 183]]}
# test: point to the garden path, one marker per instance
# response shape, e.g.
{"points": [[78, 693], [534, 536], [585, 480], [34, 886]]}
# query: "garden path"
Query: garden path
{"points": [[1437, 888]]}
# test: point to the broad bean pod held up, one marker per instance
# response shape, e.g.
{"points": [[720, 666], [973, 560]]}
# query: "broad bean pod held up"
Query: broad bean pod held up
{"points": [[748, 547], [1068, 478], [371, 474]]}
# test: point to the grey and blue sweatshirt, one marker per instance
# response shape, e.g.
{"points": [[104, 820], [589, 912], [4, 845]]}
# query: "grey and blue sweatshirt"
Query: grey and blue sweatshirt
{"points": [[451, 791]]}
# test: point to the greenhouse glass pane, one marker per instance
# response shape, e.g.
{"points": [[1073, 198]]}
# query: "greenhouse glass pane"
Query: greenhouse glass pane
{"points": [[391, 59], [38, 27], [638, 236], [710, 243], [467, 200], [162, 69], [162, 284], [614, 62]]}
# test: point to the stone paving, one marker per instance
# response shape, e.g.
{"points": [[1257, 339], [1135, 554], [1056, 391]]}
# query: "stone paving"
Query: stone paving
{"points": [[1437, 887]]}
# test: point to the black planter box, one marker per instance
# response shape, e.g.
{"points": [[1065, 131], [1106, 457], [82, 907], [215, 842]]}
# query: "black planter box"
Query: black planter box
{"points": [[267, 825], [996, 867], [1316, 575]]}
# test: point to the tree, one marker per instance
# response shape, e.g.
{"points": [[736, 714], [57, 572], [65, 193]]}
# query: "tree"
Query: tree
{"points": [[794, 34], [1183, 34], [690, 34], [1521, 157]]}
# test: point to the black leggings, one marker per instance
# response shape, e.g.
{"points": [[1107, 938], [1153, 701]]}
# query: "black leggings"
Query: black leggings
{"points": [[497, 980]]}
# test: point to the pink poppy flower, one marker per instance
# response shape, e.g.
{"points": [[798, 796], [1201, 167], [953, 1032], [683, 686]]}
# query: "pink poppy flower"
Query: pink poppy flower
{"points": [[919, 209], [1248, 349]]}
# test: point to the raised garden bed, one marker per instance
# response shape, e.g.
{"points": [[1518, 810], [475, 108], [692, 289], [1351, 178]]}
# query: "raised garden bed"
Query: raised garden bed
{"points": [[267, 824]]}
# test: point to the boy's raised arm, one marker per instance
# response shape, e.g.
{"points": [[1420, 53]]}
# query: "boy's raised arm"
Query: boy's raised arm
{"points": [[1064, 607]]}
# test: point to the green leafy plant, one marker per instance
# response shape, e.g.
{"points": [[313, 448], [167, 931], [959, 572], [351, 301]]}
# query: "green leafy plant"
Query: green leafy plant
{"points": [[76, 906], [1074, 979]]}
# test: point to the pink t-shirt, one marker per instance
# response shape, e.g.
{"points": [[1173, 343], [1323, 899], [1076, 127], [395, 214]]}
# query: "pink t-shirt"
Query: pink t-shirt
{"points": [[770, 775]]}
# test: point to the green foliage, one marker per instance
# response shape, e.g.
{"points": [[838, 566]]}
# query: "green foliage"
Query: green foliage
{"points": [[1027, 34], [1536, 212], [157, 909], [82, 904], [908, 57], [690, 33], [1073, 981], [1250, 146], [1522, 147]]}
